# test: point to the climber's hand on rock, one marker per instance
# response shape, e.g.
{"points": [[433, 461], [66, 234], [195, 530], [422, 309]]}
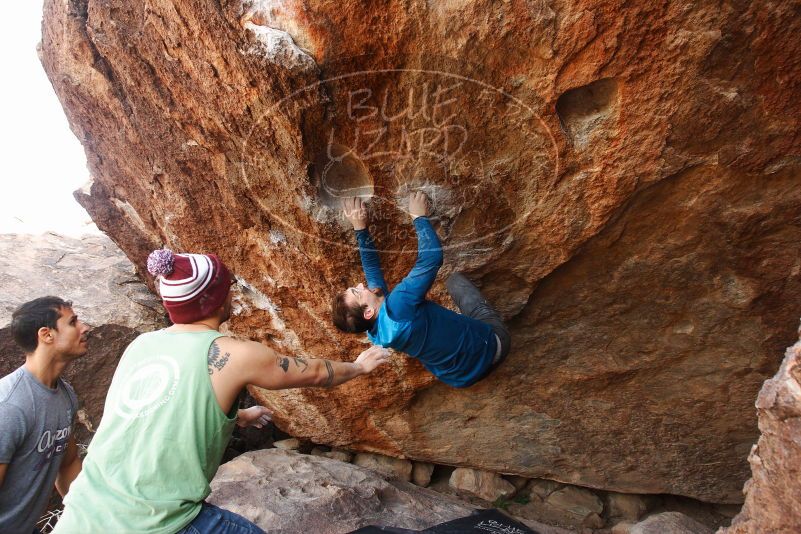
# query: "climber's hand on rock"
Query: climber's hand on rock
{"points": [[372, 358], [257, 416], [418, 205], [356, 212]]}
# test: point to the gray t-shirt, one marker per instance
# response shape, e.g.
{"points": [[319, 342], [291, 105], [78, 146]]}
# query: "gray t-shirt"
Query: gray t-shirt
{"points": [[35, 428]]}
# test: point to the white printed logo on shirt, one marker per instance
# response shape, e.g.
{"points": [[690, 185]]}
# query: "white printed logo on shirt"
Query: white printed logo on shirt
{"points": [[148, 388], [53, 444]]}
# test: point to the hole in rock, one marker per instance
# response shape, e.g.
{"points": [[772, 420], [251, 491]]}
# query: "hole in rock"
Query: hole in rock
{"points": [[582, 109], [339, 173]]}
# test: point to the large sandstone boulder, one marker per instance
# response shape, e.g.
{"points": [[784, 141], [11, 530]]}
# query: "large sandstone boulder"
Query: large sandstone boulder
{"points": [[773, 493], [620, 177], [106, 294]]}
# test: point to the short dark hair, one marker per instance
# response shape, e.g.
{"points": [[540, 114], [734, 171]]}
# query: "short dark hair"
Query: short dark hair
{"points": [[349, 317], [28, 318]]}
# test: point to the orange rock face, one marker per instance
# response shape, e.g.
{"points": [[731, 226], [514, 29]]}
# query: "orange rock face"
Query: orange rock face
{"points": [[621, 178]]}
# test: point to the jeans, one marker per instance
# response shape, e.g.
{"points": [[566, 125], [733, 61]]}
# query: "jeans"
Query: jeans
{"points": [[214, 520], [472, 303]]}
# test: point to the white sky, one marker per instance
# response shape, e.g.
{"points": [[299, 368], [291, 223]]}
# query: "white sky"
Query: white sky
{"points": [[44, 162]]}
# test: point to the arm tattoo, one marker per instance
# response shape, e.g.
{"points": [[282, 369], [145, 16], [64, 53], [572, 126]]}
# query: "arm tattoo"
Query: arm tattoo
{"points": [[330, 379], [214, 360], [301, 362], [283, 363]]}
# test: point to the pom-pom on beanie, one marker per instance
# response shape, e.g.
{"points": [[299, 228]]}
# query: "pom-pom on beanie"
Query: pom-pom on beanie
{"points": [[192, 286]]}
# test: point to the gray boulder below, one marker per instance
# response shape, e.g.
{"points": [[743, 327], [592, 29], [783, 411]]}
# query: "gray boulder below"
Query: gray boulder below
{"points": [[285, 492], [670, 523]]}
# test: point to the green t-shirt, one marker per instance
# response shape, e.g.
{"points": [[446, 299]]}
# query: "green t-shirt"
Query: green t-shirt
{"points": [[159, 444]]}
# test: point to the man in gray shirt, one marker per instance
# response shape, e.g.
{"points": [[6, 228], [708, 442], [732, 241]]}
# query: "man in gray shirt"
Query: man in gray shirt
{"points": [[37, 409]]}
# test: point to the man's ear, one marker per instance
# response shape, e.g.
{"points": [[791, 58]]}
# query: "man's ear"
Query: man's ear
{"points": [[45, 335], [368, 312]]}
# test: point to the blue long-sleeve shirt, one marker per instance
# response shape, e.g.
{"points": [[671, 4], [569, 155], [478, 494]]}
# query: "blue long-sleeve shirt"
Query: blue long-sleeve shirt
{"points": [[453, 347]]}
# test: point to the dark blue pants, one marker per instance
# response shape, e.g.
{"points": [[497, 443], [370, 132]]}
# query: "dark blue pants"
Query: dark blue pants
{"points": [[472, 303], [214, 520]]}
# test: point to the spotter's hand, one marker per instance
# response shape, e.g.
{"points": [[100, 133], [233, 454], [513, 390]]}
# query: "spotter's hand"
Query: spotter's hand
{"points": [[372, 358], [356, 212], [257, 416]]}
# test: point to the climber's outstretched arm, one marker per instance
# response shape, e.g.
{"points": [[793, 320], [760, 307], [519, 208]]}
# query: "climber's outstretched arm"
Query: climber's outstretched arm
{"points": [[411, 292], [356, 213]]}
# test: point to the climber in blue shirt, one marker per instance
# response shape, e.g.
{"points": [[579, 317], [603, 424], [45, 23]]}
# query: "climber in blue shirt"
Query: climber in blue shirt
{"points": [[459, 349]]}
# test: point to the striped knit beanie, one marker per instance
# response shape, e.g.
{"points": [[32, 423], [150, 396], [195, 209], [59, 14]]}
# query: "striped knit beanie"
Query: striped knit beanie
{"points": [[192, 286]]}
